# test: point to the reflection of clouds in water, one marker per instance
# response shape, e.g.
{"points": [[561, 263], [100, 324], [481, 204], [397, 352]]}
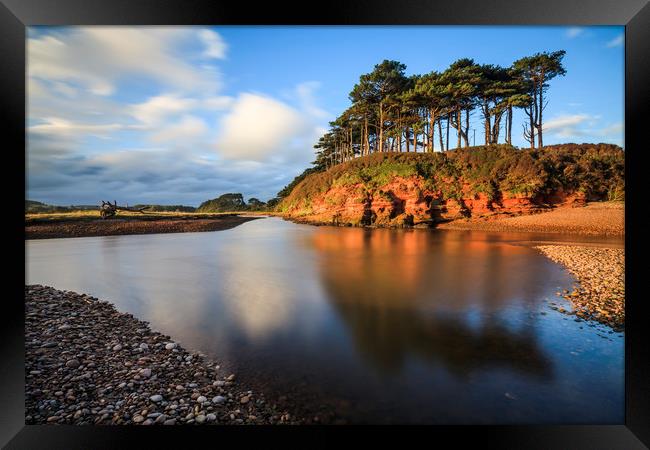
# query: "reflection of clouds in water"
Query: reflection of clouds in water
{"points": [[263, 288], [260, 307]]}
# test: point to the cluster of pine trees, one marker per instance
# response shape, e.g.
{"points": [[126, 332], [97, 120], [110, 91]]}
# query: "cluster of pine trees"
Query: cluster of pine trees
{"points": [[392, 112]]}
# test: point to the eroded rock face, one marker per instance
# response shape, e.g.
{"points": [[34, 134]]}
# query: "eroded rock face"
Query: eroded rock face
{"points": [[406, 202]]}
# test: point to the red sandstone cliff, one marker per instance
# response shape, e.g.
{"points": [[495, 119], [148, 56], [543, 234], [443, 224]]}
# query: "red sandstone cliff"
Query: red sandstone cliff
{"points": [[406, 201]]}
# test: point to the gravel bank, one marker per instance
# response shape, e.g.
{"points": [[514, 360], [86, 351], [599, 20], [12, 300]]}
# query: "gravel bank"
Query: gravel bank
{"points": [[87, 363], [605, 218], [117, 226], [600, 272]]}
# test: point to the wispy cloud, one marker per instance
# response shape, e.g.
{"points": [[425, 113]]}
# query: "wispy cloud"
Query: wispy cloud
{"points": [[98, 58], [215, 46], [616, 42], [584, 126], [141, 113], [566, 125], [574, 32], [58, 126]]}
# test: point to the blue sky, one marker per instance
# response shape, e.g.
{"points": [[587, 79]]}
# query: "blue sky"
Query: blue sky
{"points": [[183, 114]]}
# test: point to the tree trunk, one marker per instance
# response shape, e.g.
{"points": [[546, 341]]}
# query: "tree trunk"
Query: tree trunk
{"points": [[381, 126], [509, 122], [432, 121], [532, 128], [487, 124], [448, 123], [496, 128], [442, 147], [399, 136], [408, 138], [366, 139], [540, 143], [459, 127], [466, 133]]}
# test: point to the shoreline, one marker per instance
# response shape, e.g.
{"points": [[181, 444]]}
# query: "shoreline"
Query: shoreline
{"points": [[88, 363], [71, 228], [599, 294], [594, 219]]}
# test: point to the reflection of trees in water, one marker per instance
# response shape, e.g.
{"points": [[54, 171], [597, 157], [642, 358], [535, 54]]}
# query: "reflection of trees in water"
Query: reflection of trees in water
{"points": [[405, 293]]}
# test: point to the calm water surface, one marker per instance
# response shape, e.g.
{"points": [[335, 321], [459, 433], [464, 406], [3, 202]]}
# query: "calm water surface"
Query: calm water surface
{"points": [[379, 326]]}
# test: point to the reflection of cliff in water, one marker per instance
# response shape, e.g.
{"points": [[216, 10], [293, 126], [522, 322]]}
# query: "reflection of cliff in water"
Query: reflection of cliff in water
{"points": [[435, 296]]}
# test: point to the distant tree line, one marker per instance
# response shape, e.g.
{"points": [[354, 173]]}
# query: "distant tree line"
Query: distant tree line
{"points": [[392, 112], [235, 202], [165, 208], [33, 206]]}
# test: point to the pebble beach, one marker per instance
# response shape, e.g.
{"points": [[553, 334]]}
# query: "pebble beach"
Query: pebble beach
{"points": [[87, 363], [600, 273]]}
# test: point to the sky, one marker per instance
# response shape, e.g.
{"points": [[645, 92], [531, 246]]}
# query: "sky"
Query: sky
{"points": [[180, 115]]}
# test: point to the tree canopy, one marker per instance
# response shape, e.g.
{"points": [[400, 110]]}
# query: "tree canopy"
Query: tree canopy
{"points": [[393, 112]]}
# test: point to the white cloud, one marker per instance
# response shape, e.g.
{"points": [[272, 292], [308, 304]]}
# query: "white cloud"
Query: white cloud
{"points": [[73, 74], [574, 32], [188, 129], [154, 110], [215, 46], [98, 57], [260, 127], [568, 126], [616, 42], [564, 122], [584, 126], [58, 126], [305, 93], [616, 128]]}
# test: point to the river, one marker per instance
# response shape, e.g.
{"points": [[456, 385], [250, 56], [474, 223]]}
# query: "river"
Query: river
{"points": [[364, 326]]}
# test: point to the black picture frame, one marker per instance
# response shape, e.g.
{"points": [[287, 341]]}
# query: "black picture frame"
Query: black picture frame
{"points": [[16, 15]]}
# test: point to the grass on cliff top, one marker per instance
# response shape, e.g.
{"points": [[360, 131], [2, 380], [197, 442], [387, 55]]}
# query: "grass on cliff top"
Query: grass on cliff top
{"points": [[594, 169]]}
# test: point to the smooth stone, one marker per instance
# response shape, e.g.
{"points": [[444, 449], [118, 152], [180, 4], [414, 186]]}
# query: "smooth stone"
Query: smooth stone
{"points": [[145, 373], [170, 346], [211, 417], [72, 363], [201, 399], [117, 347], [138, 419], [219, 383], [156, 398], [144, 346], [218, 399], [245, 399], [200, 418], [170, 422]]}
